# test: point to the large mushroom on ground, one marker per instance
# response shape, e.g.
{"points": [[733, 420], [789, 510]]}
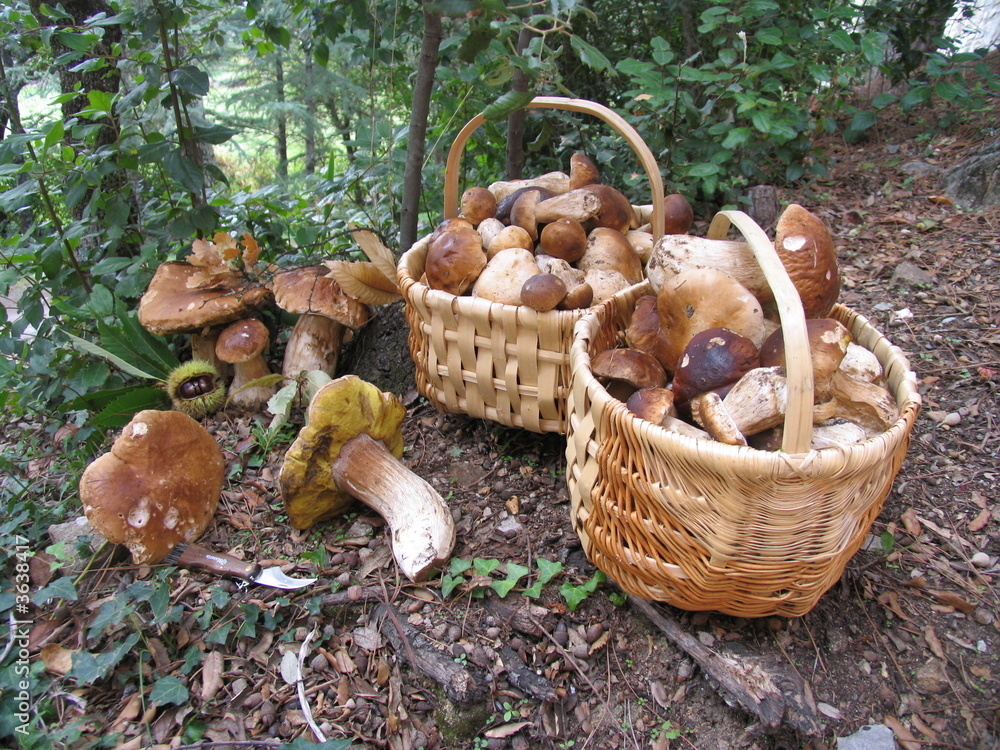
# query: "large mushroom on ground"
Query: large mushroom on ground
{"points": [[350, 449], [325, 314], [158, 486], [175, 302]]}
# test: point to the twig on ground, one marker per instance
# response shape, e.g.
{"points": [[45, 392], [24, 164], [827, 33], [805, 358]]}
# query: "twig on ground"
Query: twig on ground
{"points": [[300, 686]]}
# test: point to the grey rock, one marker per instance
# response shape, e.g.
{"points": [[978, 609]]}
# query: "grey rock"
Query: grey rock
{"points": [[908, 273], [975, 181], [76, 534], [869, 737], [920, 169]]}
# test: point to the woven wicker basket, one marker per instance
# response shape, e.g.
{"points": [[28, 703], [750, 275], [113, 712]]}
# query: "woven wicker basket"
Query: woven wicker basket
{"points": [[706, 526], [505, 363]]}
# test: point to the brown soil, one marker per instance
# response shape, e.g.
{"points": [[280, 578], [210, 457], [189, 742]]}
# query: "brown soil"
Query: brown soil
{"points": [[907, 638]]}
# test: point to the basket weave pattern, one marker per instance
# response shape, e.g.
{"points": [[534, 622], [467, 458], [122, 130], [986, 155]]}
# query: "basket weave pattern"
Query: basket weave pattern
{"points": [[506, 363], [708, 526]]}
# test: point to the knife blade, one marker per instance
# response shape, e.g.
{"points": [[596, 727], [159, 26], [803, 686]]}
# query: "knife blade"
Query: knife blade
{"points": [[199, 558]]}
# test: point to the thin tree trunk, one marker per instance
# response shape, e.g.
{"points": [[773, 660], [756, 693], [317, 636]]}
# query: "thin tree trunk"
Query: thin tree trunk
{"points": [[310, 122], [281, 145], [515, 120], [419, 114]]}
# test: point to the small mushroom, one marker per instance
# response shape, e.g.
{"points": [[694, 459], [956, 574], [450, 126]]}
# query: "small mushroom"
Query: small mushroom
{"points": [[157, 487], [543, 292], [455, 257], [350, 449], [702, 298], [609, 249], [656, 405], [488, 229], [582, 171], [502, 278], [678, 215], [642, 242], [713, 358], [605, 283], [506, 207], [478, 204], [579, 297], [564, 238], [508, 237], [623, 371], [325, 314], [242, 345]]}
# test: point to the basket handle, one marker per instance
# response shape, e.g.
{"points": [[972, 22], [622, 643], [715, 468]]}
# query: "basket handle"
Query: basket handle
{"points": [[798, 362], [612, 118]]}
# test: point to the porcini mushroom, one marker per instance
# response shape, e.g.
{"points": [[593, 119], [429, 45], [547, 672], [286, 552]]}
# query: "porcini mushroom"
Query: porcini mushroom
{"points": [[504, 275], [702, 298], [325, 314], [350, 449], [455, 257], [713, 359], [242, 345], [563, 238], [173, 303], [543, 292], [656, 405], [623, 371], [645, 334], [605, 283], [582, 171], [608, 248], [554, 182], [508, 237], [806, 249], [157, 487], [478, 204], [828, 343]]}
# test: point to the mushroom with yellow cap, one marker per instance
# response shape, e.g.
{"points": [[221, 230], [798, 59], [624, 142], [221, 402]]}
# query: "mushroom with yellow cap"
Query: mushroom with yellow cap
{"points": [[350, 449]]}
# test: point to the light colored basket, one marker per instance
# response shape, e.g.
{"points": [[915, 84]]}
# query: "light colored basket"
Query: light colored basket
{"points": [[706, 526], [505, 363]]}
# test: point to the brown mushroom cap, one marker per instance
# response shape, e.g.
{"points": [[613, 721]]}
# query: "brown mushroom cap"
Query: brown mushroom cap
{"points": [[508, 237], [644, 332], [828, 343], [701, 298], [582, 171], [624, 371], [455, 259], [342, 409], [506, 205], [713, 358], [311, 291], [543, 292], [158, 486], [564, 238], [478, 203], [806, 249], [616, 211], [608, 248], [652, 404], [579, 297], [242, 341], [172, 304], [678, 215]]}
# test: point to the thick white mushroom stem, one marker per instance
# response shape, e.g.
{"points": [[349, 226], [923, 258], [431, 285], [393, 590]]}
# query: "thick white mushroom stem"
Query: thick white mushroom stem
{"points": [[247, 372], [423, 531], [314, 344]]}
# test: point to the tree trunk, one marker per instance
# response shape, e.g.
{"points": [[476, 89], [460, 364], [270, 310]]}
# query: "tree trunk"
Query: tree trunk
{"points": [[515, 120], [281, 144], [419, 114], [310, 121]]}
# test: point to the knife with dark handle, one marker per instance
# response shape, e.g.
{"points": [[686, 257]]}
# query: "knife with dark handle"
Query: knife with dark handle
{"points": [[198, 558]]}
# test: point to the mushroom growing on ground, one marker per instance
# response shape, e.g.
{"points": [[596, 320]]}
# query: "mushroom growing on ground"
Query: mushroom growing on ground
{"points": [[324, 311], [242, 345], [174, 303], [157, 487], [350, 449]]}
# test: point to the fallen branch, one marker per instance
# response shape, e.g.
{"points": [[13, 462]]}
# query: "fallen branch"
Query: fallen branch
{"points": [[524, 678], [772, 696], [461, 683], [300, 686]]}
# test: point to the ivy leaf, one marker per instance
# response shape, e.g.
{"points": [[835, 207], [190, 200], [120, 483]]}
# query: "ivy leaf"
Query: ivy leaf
{"points": [[547, 570], [485, 567], [574, 595], [168, 690], [458, 565], [60, 588], [449, 583]]}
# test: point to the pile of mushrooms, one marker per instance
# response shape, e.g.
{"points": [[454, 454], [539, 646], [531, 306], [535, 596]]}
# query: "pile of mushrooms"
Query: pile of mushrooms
{"points": [[556, 241], [704, 354]]}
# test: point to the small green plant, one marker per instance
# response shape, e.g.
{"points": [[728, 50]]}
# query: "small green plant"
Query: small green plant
{"points": [[511, 711], [666, 730], [575, 595]]}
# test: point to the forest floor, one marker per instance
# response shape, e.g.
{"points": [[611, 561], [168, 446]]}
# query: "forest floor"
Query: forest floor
{"points": [[907, 639]]}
